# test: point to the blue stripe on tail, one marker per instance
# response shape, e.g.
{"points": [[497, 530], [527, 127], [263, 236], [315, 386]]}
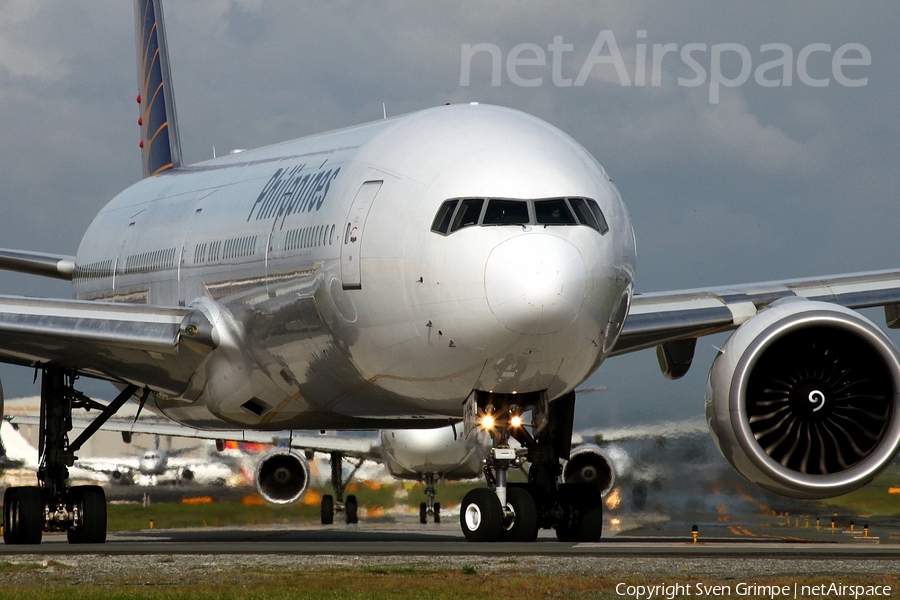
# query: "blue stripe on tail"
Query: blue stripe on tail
{"points": [[160, 146]]}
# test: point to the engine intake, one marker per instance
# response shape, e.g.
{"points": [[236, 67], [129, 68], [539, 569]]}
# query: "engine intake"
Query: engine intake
{"points": [[803, 399], [282, 477], [590, 464]]}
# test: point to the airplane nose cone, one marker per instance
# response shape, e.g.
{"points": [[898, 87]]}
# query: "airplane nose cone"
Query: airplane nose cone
{"points": [[535, 283]]}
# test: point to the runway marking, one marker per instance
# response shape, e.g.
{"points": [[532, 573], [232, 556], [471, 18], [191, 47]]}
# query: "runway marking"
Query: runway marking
{"points": [[723, 517]]}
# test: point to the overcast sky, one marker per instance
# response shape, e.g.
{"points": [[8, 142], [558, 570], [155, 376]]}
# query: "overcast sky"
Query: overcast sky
{"points": [[768, 183]]}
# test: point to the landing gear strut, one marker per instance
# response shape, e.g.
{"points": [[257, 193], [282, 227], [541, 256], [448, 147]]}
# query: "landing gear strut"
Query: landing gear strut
{"points": [[429, 508], [515, 512], [53, 505], [350, 507]]}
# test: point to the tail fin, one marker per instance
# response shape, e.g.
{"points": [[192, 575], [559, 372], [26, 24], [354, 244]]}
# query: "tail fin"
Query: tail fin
{"points": [[160, 146]]}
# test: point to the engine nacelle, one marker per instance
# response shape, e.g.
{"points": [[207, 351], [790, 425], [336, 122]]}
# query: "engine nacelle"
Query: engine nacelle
{"points": [[803, 399], [591, 464], [282, 477]]}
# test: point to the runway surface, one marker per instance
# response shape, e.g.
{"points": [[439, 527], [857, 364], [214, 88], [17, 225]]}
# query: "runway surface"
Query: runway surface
{"points": [[751, 537]]}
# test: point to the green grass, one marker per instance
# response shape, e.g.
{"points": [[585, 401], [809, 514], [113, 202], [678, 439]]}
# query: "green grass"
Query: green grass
{"points": [[168, 515], [41, 580], [874, 499]]}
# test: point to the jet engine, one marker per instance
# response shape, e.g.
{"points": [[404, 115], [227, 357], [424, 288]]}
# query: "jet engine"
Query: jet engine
{"points": [[282, 477], [803, 399], [591, 464]]}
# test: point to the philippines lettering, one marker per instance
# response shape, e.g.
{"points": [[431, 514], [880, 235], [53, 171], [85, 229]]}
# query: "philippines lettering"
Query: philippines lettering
{"points": [[291, 191]]}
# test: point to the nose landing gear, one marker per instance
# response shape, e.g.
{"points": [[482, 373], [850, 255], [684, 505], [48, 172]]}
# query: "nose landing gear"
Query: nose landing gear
{"points": [[514, 512], [430, 508], [329, 506]]}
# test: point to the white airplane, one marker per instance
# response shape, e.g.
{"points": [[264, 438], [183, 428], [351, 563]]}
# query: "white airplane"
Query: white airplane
{"points": [[464, 262], [156, 466]]}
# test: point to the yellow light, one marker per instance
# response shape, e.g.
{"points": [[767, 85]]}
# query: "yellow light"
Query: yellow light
{"points": [[516, 421], [614, 499], [487, 422]]}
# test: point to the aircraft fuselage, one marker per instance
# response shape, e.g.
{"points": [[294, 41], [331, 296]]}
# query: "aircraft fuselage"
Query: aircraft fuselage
{"points": [[337, 304]]}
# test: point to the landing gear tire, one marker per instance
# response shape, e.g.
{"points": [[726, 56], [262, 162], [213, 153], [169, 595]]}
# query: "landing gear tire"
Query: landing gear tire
{"points": [[481, 516], [423, 513], [327, 509], [591, 525], [437, 512], [522, 524], [23, 515], [582, 519], [351, 508], [88, 502]]}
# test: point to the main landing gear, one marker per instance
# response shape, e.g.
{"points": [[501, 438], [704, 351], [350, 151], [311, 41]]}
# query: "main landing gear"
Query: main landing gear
{"points": [[350, 507], [514, 512], [53, 505]]}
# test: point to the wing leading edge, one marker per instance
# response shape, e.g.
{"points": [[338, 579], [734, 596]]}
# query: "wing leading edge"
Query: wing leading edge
{"points": [[665, 317], [144, 345], [351, 447]]}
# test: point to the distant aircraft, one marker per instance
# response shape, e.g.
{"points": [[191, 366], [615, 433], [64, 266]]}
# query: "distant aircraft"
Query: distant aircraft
{"points": [[281, 475], [155, 466], [464, 263]]}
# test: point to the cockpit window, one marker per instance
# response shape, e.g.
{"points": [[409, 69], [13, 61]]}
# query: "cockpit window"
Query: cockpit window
{"points": [[583, 213], [444, 216], [468, 214], [598, 214], [553, 212], [459, 213], [506, 212]]}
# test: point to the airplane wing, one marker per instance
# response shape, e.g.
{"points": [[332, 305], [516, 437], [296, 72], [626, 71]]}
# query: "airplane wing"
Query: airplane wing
{"points": [[140, 344], [38, 263], [108, 465], [355, 447], [663, 317]]}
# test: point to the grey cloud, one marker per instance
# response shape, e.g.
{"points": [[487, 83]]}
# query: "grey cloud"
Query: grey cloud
{"points": [[769, 183]]}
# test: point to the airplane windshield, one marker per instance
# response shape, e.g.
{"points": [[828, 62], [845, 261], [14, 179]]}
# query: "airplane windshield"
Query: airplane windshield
{"points": [[468, 213], [553, 212], [506, 212], [459, 213]]}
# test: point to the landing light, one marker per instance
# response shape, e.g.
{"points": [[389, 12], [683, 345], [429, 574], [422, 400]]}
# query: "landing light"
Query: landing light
{"points": [[487, 422], [515, 421]]}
